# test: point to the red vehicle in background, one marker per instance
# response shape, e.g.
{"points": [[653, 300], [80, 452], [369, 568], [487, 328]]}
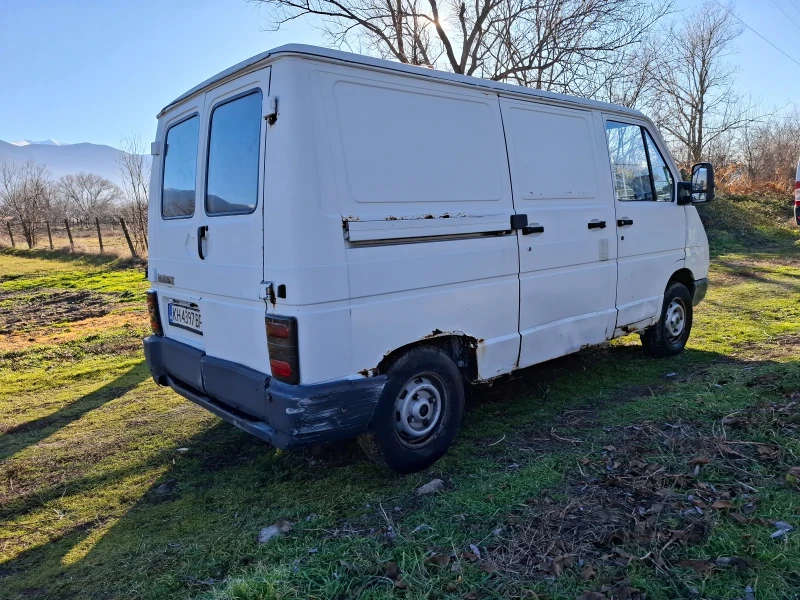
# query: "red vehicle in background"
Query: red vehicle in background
{"points": [[797, 195]]}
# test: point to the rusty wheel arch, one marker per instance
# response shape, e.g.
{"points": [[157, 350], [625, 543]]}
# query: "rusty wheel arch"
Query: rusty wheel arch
{"points": [[461, 348]]}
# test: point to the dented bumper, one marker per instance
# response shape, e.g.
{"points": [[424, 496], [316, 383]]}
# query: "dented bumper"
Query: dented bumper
{"points": [[286, 416]]}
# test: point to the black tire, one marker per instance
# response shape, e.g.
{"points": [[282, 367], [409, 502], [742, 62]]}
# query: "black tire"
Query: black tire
{"points": [[432, 372], [660, 340]]}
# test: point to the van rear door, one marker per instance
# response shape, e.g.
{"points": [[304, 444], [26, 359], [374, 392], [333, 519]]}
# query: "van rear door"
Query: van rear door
{"points": [[208, 246]]}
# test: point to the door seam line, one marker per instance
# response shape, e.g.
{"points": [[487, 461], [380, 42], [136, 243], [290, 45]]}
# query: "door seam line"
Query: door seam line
{"points": [[519, 251]]}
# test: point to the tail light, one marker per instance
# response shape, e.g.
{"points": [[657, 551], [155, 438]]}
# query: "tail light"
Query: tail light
{"points": [[153, 312], [284, 359]]}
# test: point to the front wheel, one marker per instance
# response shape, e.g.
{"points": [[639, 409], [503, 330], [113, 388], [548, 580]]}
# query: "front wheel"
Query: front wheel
{"points": [[669, 336], [419, 412]]}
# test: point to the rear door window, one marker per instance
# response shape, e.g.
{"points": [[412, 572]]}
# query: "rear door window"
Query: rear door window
{"points": [[233, 153], [180, 169]]}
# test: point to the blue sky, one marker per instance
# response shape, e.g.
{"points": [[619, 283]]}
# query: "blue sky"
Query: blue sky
{"points": [[95, 70]]}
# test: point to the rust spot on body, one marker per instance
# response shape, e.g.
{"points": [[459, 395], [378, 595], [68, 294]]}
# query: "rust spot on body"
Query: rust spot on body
{"points": [[434, 333]]}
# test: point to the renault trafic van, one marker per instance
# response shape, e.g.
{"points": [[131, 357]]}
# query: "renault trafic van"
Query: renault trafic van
{"points": [[339, 244]]}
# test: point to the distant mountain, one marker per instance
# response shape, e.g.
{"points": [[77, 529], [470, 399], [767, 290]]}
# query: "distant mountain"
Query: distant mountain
{"points": [[64, 159], [44, 143]]}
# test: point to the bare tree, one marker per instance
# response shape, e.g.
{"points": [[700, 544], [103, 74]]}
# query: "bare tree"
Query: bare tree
{"points": [[135, 172], [25, 190], [770, 150], [630, 80], [696, 101], [88, 195], [561, 45]]}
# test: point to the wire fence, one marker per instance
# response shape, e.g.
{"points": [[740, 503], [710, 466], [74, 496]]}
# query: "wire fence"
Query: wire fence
{"points": [[101, 236]]}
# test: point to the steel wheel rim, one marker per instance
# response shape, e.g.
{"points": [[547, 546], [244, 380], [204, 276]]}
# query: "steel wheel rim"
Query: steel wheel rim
{"points": [[675, 319], [418, 409]]}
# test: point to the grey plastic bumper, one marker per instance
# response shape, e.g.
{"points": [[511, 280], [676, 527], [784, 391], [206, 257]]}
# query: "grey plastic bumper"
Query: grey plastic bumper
{"points": [[284, 415], [700, 289]]}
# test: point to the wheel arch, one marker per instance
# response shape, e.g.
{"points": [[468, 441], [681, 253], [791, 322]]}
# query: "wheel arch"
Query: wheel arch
{"points": [[462, 349], [684, 276]]}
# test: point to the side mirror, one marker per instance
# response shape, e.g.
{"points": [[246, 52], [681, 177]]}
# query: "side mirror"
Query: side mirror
{"points": [[702, 182]]}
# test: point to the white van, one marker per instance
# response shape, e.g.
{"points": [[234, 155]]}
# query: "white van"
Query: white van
{"points": [[339, 244]]}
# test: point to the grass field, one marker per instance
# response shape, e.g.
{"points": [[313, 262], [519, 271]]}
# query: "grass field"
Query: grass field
{"points": [[605, 474]]}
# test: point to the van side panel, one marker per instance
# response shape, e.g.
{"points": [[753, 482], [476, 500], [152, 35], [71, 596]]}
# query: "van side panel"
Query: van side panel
{"points": [[303, 242], [403, 151]]}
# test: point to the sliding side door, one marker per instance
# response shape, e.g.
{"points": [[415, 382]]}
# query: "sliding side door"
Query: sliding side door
{"points": [[568, 251]]}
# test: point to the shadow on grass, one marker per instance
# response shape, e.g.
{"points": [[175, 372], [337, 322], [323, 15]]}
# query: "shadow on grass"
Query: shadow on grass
{"points": [[32, 432], [198, 521], [755, 273], [85, 258]]}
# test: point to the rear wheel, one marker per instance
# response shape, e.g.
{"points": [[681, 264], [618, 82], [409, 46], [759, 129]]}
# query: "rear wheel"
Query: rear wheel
{"points": [[418, 413], [669, 336]]}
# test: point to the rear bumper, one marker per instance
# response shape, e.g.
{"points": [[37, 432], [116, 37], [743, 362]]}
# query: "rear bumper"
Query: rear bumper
{"points": [[700, 290], [286, 416]]}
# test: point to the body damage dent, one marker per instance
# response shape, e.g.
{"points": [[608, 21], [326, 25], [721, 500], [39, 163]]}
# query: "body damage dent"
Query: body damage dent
{"points": [[342, 409]]}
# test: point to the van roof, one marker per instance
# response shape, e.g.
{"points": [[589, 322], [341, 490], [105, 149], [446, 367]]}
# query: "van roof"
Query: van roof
{"points": [[327, 54]]}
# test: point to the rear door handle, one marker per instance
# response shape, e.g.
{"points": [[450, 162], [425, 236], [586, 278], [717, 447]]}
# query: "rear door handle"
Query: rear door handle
{"points": [[597, 224], [624, 222], [201, 233]]}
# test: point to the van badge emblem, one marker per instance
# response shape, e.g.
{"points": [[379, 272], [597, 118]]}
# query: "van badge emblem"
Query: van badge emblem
{"points": [[166, 279]]}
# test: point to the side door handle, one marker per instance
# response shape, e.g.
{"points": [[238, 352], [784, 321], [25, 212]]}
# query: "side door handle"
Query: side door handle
{"points": [[201, 233], [532, 229], [597, 224], [624, 222]]}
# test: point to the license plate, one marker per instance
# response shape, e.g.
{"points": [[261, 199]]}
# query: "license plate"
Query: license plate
{"points": [[184, 317]]}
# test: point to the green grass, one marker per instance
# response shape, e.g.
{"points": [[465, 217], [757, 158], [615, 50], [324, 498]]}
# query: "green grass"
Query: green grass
{"points": [[41, 269], [115, 488], [741, 223]]}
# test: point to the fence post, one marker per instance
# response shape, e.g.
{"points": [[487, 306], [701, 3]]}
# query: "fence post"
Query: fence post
{"points": [[99, 235], [127, 237], [10, 234], [49, 235], [69, 234]]}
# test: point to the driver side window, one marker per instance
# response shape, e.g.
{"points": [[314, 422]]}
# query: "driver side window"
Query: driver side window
{"points": [[640, 172]]}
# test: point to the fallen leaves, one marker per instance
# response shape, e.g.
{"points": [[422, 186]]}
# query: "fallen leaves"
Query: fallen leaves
{"points": [[704, 567], [391, 570], [793, 476], [645, 499], [439, 559], [620, 590]]}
